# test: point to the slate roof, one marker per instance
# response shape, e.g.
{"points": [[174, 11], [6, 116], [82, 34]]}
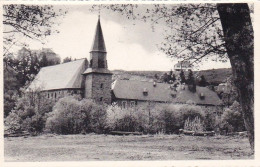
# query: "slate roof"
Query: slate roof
{"points": [[98, 43], [97, 70], [131, 89], [61, 76]]}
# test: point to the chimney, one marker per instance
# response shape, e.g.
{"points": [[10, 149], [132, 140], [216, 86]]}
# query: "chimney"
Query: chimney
{"points": [[202, 96], [154, 84], [145, 92]]}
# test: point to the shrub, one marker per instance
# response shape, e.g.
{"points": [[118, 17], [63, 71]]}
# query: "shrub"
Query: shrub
{"points": [[31, 108], [71, 116], [121, 119], [13, 122], [152, 118], [232, 119]]}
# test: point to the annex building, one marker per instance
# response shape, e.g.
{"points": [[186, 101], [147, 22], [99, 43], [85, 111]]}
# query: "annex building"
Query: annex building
{"points": [[93, 80]]}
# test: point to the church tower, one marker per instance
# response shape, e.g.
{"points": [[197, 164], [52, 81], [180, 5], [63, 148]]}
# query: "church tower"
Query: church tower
{"points": [[98, 78]]}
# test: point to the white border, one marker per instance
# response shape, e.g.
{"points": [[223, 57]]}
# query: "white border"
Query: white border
{"points": [[213, 163]]}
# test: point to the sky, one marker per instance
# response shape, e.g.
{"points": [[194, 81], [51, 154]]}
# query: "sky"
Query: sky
{"points": [[131, 45]]}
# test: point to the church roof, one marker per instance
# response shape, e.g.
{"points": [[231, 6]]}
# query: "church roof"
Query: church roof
{"points": [[61, 76], [97, 70], [98, 43], [162, 92]]}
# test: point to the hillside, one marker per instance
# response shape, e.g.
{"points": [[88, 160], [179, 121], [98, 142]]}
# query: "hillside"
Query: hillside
{"points": [[214, 76]]}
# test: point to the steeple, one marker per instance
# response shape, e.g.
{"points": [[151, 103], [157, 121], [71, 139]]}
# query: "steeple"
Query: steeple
{"points": [[98, 43], [98, 78]]}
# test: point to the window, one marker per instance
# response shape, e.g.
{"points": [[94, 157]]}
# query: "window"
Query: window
{"points": [[101, 99], [55, 95], [124, 104], [173, 95], [90, 63], [101, 85], [101, 63], [48, 95], [132, 104]]}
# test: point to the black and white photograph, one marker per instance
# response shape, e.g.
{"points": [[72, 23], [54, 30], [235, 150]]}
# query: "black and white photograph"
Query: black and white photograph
{"points": [[128, 81]]}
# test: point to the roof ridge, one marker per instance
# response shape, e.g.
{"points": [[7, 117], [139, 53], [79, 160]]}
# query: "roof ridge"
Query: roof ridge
{"points": [[63, 63]]}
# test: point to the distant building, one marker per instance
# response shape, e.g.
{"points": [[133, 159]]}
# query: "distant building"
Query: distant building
{"points": [[183, 65]]}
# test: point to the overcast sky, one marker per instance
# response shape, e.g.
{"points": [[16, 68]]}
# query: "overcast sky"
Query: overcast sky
{"points": [[131, 45]]}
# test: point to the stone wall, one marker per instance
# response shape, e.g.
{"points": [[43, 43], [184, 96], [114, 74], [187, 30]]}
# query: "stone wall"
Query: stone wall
{"points": [[98, 87], [55, 95]]}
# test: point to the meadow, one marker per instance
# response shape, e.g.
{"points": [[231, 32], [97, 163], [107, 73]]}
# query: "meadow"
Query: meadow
{"points": [[93, 147]]}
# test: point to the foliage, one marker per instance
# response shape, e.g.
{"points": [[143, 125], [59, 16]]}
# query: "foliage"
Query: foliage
{"points": [[30, 21], [182, 77], [191, 82], [202, 82], [66, 59], [232, 117], [31, 108], [13, 122], [152, 118], [11, 89], [72, 116]]}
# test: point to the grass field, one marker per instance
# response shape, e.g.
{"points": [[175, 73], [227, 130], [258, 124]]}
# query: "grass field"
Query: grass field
{"points": [[108, 147]]}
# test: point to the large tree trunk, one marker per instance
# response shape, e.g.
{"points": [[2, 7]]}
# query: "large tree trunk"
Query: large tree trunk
{"points": [[239, 39]]}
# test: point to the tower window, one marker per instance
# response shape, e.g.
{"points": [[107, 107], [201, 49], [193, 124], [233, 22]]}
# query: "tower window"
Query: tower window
{"points": [[55, 95], [101, 85], [101, 63], [101, 99], [90, 63]]}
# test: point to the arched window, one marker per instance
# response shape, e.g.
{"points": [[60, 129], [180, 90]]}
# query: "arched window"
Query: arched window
{"points": [[55, 95], [101, 85], [101, 99]]}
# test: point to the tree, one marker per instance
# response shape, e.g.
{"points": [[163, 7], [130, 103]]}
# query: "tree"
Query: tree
{"points": [[217, 31], [27, 65], [67, 59], [30, 109], [202, 81], [44, 61], [29, 21], [182, 77], [233, 117], [191, 82], [239, 42]]}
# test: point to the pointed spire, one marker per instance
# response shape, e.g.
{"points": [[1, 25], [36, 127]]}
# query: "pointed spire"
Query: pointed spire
{"points": [[98, 43]]}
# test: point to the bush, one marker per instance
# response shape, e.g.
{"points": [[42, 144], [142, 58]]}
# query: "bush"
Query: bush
{"points": [[13, 122], [152, 118], [142, 119], [232, 120], [30, 108], [71, 116]]}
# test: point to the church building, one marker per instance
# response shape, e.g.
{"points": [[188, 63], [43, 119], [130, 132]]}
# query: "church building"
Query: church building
{"points": [[92, 80], [88, 79]]}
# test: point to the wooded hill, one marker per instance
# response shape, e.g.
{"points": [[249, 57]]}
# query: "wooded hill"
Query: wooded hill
{"points": [[214, 76]]}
